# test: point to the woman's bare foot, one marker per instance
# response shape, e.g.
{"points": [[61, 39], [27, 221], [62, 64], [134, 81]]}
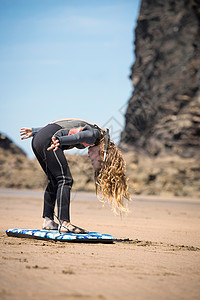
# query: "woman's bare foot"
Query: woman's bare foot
{"points": [[49, 224], [68, 227]]}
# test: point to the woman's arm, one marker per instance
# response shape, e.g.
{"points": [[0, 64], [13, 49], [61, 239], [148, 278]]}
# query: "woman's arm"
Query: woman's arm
{"points": [[88, 135], [35, 130]]}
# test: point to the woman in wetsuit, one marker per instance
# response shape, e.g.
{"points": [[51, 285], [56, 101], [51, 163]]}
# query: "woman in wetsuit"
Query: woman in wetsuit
{"points": [[48, 144]]}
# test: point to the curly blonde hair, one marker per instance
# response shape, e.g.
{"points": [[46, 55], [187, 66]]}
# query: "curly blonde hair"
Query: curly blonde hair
{"points": [[110, 180]]}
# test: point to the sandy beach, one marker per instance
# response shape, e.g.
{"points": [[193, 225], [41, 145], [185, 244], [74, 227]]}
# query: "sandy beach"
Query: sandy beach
{"points": [[156, 254]]}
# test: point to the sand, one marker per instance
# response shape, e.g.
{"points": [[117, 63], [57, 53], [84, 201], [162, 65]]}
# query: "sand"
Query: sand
{"points": [[156, 254]]}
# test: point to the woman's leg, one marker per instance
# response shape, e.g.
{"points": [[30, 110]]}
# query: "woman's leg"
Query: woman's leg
{"points": [[50, 199], [59, 170], [58, 166], [51, 189], [55, 165]]}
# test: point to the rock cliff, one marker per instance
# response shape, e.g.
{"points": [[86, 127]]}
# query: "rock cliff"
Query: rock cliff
{"points": [[163, 114], [162, 129]]}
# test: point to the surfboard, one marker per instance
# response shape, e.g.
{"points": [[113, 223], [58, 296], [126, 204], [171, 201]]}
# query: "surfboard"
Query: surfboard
{"points": [[90, 237]]}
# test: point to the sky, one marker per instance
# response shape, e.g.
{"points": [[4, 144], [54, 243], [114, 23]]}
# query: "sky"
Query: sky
{"points": [[65, 59]]}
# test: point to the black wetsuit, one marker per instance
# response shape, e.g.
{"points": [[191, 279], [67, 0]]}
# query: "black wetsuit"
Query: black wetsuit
{"points": [[71, 133]]}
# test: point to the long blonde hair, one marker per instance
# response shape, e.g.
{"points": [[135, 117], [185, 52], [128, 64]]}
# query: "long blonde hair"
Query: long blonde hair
{"points": [[110, 180]]}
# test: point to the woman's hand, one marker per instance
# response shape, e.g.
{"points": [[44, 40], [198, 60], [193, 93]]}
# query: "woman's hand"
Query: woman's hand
{"points": [[25, 133], [55, 144]]}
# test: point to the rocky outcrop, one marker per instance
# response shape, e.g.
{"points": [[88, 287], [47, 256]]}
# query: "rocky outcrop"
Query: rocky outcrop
{"points": [[163, 114], [18, 171], [8, 145]]}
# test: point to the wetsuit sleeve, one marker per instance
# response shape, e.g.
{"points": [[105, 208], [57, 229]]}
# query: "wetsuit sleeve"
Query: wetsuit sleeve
{"points": [[88, 135], [35, 130]]}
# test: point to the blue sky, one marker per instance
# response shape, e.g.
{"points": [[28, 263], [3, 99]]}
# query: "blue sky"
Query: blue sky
{"points": [[65, 58]]}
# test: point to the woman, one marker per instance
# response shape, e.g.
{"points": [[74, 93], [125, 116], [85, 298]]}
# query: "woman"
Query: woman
{"points": [[48, 144]]}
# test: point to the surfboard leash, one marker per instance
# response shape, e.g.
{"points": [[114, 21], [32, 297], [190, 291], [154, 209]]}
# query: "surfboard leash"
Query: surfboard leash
{"points": [[107, 138], [60, 223]]}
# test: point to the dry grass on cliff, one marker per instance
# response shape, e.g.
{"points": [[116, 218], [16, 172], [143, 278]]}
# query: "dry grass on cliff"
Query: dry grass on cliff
{"points": [[17, 171], [166, 175]]}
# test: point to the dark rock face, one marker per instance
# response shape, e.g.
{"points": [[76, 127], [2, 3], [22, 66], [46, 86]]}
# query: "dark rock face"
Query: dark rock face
{"points": [[7, 144], [17, 170], [163, 114]]}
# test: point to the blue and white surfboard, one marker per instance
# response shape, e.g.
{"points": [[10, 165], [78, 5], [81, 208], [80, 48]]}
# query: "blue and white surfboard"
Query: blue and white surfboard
{"points": [[91, 237]]}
